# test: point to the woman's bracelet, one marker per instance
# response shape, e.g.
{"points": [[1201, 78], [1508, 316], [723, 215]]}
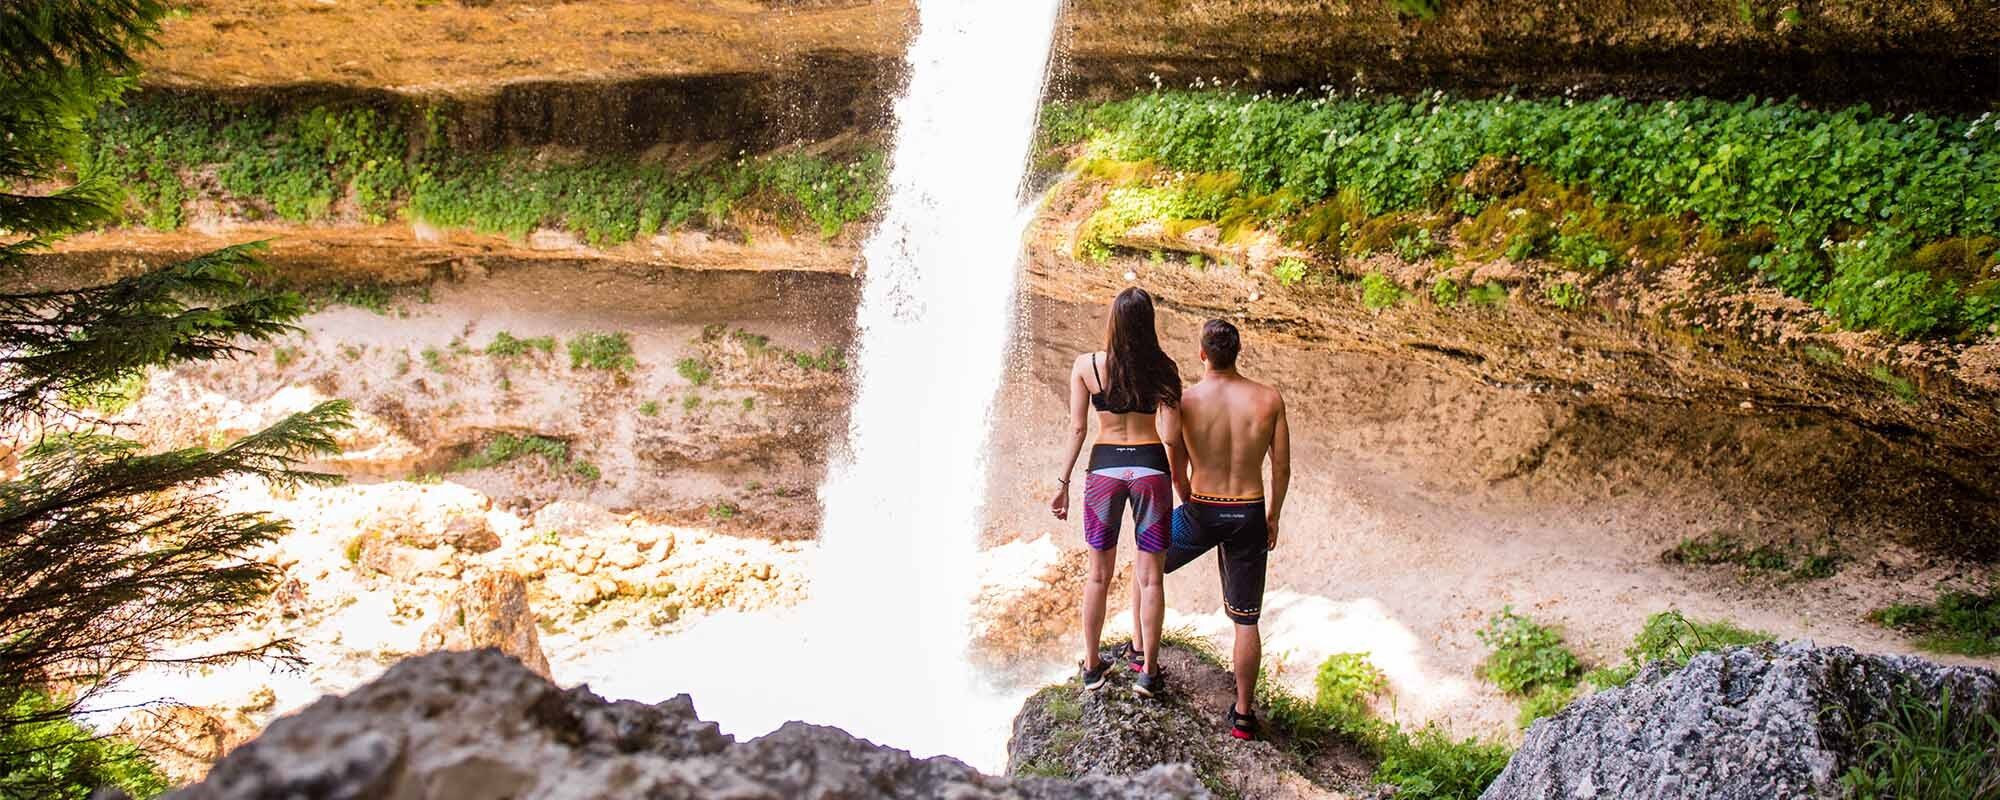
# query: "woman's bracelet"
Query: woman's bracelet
{"points": [[1063, 481]]}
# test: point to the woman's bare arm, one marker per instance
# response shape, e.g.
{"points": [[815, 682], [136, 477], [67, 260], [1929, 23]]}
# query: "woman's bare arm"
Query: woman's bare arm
{"points": [[1079, 429]]}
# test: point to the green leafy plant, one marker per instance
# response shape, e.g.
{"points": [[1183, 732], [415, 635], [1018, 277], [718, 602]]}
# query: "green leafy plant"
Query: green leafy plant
{"points": [[722, 511], [1418, 9], [650, 408], [506, 345], [1378, 291], [1567, 296], [1959, 622], [1446, 292], [1544, 702], [1345, 684], [605, 351], [1525, 655], [1289, 271], [1670, 637], [695, 371]]}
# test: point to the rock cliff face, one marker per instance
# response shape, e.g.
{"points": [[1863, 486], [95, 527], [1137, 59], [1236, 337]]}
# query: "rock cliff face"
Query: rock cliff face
{"points": [[1755, 722], [478, 724]]}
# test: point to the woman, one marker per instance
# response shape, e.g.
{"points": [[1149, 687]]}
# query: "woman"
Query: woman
{"points": [[1136, 390]]}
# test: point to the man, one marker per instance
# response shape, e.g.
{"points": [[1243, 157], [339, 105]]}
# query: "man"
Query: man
{"points": [[1230, 423]]}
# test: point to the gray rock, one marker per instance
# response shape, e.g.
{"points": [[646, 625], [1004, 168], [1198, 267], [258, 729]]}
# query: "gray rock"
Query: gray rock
{"points": [[478, 724], [1755, 723]]}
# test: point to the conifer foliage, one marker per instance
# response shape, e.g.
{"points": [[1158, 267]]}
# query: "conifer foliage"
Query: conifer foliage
{"points": [[109, 552]]}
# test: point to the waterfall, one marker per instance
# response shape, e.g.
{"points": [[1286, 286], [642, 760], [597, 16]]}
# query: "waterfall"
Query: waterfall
{"points": [[879, 647], [903, 509]]}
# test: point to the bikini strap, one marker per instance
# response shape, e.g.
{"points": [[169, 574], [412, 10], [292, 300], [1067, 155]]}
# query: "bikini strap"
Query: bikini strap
{"points": [[1094, 373]]}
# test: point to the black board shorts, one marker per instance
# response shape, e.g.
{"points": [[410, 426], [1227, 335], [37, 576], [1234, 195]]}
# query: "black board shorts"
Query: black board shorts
{"points": [[1239, 530]]}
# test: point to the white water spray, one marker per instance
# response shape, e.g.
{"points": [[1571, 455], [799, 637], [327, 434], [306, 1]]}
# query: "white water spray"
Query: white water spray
{"points": [[879, 649]]}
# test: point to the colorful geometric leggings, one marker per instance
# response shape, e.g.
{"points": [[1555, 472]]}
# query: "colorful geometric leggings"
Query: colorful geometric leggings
{"points": [[1105, 493]]}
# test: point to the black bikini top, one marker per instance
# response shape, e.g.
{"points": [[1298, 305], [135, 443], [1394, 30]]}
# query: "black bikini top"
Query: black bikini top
{"points": [[1097, 400]]}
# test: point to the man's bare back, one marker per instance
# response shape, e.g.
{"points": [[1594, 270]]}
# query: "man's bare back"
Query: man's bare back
{"points": [[1229, 424]]}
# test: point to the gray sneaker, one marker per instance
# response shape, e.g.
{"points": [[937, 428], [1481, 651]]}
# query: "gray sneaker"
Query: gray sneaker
{"points": [[1150, 684]]}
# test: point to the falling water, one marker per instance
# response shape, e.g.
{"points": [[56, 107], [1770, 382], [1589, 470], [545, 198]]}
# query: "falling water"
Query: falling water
{"points": [[879, 649]]}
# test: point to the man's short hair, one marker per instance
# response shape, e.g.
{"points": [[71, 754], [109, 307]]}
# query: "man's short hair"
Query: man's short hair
{"points": [[1221, 342]]}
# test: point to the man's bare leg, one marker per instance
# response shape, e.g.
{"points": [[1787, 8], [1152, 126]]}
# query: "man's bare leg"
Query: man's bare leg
{"points": [[1249, 653], [1151, 610], [1096, 585]]}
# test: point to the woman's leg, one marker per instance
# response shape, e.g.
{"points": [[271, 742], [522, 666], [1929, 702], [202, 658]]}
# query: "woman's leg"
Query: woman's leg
{"points": [[1150, 610], [1095, 586]]}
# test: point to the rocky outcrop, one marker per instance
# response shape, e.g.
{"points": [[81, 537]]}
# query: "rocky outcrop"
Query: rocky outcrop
{"points": [[1066, 730], [1754, 722], [490, 611], [479, 724]]}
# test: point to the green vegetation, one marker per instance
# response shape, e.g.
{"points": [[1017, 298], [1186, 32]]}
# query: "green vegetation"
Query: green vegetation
{"points": [[1956, 622], [829, 359], [283, 355], [1567, 296], [1426, 764], [1526, 655], [605, 351], [1430, 765], [1722, 547], [1446, 292], [1888, 223], [434, 360], [722, 511], [1419, 9], [1670, 637], [61, 758], [506, 345], [650, 408], [1289, 271], [695, 371], [370, 296], [1343, 688], [1529, 662], [301, 165], [506, 447], [1379, 291], [1929, 750]]}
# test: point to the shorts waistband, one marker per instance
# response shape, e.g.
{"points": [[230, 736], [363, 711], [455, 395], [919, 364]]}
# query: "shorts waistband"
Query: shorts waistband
{"points": [[1218, 500]]}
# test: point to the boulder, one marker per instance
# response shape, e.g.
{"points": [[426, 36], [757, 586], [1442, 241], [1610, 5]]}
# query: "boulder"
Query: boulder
{"points": [[490, 611], [1748, 723], [478, 724], [1066, 730]]}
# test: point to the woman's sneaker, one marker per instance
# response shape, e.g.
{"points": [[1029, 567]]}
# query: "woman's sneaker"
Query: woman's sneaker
{"points": [[1150, 684], [1093, 678], [1242, 726], [1131, 655]]}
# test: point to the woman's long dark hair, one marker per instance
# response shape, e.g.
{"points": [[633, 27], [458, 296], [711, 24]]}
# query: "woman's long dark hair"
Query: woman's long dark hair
{"points": [[1139, 375]]}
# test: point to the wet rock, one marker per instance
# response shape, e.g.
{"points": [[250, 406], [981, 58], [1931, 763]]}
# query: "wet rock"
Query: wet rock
{"points": [[490, 611], [1752, 722], [479, 724]]}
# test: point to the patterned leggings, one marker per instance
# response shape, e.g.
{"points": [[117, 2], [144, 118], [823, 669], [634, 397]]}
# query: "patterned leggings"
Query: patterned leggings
{"points": [[1128, 473]]}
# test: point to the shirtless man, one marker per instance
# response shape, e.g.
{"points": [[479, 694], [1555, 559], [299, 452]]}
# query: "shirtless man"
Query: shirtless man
{"points": [[1230, 423]]}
